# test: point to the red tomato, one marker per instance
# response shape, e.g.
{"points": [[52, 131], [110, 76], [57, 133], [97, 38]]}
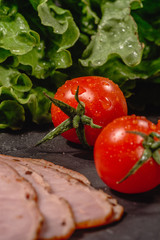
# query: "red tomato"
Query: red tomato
{"points": [[116, 151], [158, 126], [104, 101]]}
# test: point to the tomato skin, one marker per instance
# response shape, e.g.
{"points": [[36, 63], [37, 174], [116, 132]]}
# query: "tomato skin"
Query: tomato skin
{"points": [[104, 101], [116, 151], [158, 126]]}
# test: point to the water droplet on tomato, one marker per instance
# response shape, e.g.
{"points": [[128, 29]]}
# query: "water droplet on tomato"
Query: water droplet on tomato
{"points": [[105, 102], [62, 94], [81, 90], [107, 86], [105, 83], [88, 80], [117, 99], [135, 122], [153, 127]]}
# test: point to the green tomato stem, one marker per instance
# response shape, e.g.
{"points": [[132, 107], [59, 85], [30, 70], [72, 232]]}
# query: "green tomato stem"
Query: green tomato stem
{"points": [[76, 120], [67, 109], [151, 149], [89, 121], [156, 156], [81, 135], [63, 127], [146, 155]]}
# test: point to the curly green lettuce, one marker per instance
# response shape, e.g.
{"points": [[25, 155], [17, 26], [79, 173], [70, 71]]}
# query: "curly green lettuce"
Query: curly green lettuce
{"points": [[34, 40]]}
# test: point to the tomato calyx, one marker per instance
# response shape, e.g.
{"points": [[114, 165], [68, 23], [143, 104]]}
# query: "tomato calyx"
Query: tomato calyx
{"points": [[77, 119], [151, 149]]}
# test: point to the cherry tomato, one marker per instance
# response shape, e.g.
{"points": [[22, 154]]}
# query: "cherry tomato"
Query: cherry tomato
{"points": [[158, 126], [116, 151], [103, 99]]}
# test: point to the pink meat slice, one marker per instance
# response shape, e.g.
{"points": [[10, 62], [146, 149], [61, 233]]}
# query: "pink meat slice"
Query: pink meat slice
{"points": [[20, 217], [62, 169], [117, 209], [58, 217], [90, 207]]}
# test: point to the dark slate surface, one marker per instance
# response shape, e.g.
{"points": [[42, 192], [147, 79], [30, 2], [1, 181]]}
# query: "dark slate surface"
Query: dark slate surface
{"points": [[141, 220]]}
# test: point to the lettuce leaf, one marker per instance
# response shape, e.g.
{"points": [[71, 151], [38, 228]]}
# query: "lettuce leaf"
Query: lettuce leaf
{"points": [[12, 115], [86, 18], [11, 78], [39, 67], [4, 54], [39, 106], [34, 41], [16, 36], [117, 34]]}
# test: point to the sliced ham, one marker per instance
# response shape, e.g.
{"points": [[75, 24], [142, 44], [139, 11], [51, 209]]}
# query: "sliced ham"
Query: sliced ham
{"points": [[20, 217], [58, 217], [117, 209], [62, 169], [90, 207]]}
